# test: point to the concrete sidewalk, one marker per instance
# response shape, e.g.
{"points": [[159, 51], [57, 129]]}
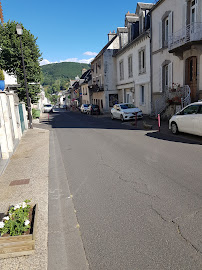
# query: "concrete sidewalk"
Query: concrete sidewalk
{"points": [[30, 161]]}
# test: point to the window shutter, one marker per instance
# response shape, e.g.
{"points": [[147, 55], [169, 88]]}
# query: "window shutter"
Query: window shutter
{"points": [[160, 78], [170, 24], [160, 34], [170, 75], [198, 11], [184, 15]]}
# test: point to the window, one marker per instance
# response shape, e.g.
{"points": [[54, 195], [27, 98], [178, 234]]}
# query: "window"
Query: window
{"points": [[191, 109], [165, 29], [166, 25], [166, 76], [113, 99], [193, 11], [142, 95], [130, 67], [142, 64], [121, 70], [96, 67], [200, 109]]}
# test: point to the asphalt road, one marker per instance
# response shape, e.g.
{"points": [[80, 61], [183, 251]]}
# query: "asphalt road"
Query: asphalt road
{"points": [[136, 196]]}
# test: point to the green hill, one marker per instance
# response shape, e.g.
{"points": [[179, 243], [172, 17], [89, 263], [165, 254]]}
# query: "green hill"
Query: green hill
{"points": [[61, 71], [56, 77]]}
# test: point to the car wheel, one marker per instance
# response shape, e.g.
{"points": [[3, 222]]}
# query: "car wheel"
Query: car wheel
{"points": [[174, 128], [121, 117], [112, 117]]}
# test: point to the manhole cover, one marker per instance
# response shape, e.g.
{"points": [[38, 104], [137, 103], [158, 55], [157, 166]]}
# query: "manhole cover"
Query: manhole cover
{"points": [[19, 182]]}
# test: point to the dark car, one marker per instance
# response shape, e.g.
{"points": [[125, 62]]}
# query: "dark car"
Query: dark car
{"points": [[93, 109]]}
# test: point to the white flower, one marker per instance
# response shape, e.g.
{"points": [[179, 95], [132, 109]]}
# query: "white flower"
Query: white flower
{"points": [[24, 205], [17, 206], [1, 224], [27, 222], [6, 218]]}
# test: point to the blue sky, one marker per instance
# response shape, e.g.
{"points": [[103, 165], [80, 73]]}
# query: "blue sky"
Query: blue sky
{"points": [[69, 30]]}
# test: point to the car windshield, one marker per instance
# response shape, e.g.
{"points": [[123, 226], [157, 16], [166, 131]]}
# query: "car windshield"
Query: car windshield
{"points": [[124, 106], [95, 106], [48, 105], [86, 105], [131, 106]]}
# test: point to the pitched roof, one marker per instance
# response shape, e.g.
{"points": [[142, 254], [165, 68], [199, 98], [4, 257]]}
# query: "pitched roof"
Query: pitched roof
{"points": [[86, 76], [157, 2], [145, 5], [104, 49]]}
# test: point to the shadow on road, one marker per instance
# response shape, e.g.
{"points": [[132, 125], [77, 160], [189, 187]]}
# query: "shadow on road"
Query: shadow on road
{"points": [[183, 138], [69, 120]]}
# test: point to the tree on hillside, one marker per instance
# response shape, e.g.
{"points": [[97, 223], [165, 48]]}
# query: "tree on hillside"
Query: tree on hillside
{"points": [[11, 59]]}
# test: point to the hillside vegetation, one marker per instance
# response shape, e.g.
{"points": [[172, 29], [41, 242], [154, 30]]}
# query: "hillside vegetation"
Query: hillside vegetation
{"points": [[63, 71], [56, 77]]}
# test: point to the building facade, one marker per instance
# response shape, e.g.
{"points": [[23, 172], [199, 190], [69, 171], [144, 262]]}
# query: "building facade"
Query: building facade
{"points": [[133, 60], [176, 51], [102, 87]]}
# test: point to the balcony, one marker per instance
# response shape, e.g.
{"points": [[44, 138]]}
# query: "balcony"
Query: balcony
{"points": [[95, 87], [185, 37]]}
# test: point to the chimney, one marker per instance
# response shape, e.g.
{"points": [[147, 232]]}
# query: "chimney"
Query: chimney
{"points": [[83, 70], [111, 35]]}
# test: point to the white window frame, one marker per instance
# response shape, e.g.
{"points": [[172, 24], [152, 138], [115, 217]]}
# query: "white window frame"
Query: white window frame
{"points": [[142, 60]]}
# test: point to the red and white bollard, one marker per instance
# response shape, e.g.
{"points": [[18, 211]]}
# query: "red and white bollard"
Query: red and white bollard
{"points": [[159, 122]]}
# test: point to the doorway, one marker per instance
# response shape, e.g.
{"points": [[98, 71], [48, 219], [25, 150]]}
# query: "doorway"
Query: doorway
{"points": [[191, 76]]}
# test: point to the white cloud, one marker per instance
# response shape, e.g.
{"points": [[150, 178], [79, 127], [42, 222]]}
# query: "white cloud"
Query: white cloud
{"points": [[90, 53], [44, 62], [85, 61]]}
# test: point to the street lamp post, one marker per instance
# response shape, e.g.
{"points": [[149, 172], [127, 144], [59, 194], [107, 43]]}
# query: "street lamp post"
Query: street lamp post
{"points": [[20, 32]]}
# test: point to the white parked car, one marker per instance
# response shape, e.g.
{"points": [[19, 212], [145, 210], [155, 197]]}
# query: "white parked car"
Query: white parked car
{"points": [[188, 120], [47, 108], [125, 111], [84, 108]]}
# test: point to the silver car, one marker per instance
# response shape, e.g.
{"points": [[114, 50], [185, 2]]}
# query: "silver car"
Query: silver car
{"points": [[125, 111]]}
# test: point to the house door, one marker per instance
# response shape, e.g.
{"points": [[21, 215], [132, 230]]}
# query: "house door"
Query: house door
{"points": [[191, 76]]}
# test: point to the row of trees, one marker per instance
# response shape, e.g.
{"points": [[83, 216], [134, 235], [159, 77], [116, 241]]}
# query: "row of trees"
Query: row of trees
{"points": [[11, 59]]}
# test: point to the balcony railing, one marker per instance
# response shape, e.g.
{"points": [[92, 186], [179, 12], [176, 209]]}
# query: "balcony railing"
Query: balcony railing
{"points": [[181, 95], [96, 87], [192, 32]]}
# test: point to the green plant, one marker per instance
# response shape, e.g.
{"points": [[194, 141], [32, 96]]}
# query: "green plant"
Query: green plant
{"points": [[35, 113], [17, 221], [2, 77], [11, 58]]}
